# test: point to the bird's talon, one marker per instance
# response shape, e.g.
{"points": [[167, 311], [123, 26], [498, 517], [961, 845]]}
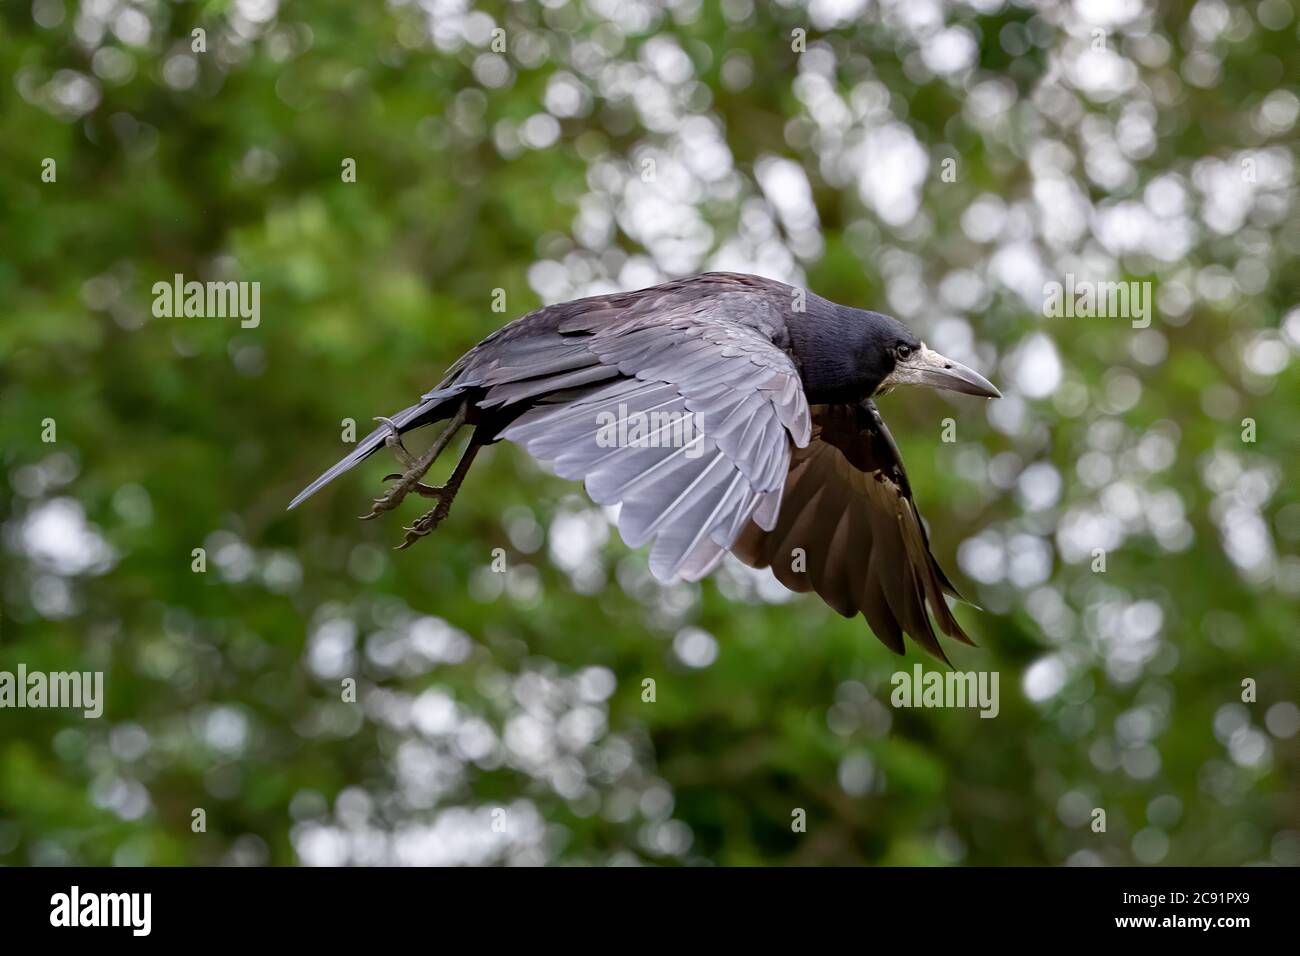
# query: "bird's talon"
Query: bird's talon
{"points": [[416, 531], [394, 441], [384, 503], [425, 525]]}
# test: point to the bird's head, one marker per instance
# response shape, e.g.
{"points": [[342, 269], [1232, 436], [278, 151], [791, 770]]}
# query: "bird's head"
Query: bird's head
{"points": [[848, 355], [912, 362]]}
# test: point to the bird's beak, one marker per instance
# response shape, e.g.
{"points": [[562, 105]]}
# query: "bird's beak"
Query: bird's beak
{"points": [[928, 367]]}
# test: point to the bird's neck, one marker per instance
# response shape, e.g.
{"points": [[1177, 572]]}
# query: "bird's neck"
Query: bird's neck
{"points": [[828, 361]]}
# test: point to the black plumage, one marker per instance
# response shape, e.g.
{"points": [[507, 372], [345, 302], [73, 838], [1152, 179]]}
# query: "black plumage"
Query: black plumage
{"points": [[787, 462]]}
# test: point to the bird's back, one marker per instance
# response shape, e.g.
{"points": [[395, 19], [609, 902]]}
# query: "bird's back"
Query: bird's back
{"points": [[746, 300]]}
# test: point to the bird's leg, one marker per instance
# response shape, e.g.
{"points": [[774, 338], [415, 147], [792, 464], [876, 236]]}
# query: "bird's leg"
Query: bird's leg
{"points": [[430, 520], [415, 467]]}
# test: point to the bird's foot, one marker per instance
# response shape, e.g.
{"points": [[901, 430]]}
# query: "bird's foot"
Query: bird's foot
{"points": [[428, 522], [406, 483], [409, 480]]}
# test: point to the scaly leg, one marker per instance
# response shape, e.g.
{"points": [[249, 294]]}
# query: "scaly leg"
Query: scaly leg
{"points": [[430, 520], [415, 468]]}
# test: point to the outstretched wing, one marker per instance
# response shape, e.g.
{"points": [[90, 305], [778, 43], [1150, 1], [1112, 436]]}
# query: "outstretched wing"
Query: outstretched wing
{"points": [[712, 340], [682, 410], [849, 530]]}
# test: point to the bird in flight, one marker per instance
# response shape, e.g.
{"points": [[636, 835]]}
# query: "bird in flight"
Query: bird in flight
{"points": [[723, 413]]}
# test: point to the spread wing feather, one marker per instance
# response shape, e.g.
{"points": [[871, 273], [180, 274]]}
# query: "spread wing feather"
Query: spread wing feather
{"points": [[692, 438], [849, 530]]}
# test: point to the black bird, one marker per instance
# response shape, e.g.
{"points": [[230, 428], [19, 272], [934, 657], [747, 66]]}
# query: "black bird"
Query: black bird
{"points": [[762, 436]]}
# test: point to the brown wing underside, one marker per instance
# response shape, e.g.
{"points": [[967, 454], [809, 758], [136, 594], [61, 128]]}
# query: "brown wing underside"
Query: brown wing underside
{"points": [[849, 530]]}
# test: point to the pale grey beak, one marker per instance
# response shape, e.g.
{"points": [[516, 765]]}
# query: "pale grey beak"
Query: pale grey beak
{"points": [[928, 367]]}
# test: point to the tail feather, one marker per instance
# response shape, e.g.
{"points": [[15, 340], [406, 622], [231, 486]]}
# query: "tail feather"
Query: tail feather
{"points": [[405, 420]]}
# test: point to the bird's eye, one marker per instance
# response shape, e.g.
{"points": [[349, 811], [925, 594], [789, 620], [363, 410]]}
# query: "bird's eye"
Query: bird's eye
{"points": [[903, 351]]}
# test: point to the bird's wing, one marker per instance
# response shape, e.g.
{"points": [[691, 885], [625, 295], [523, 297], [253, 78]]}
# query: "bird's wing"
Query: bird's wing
{"points": [[849, 530], [720, 326], [722, 405]]}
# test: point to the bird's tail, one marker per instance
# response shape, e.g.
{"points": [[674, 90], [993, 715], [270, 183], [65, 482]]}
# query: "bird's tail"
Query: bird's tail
{"points": [[427, 411]]}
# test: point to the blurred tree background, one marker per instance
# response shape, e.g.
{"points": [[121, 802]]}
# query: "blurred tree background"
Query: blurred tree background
{"points": [[938, 161]]}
